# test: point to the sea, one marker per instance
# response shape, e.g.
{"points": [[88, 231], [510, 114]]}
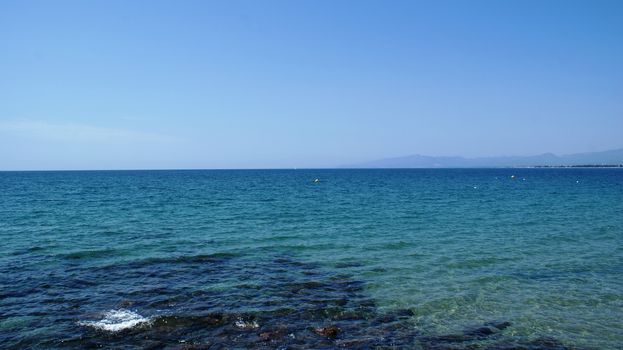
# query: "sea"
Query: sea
{"points": [[312, 259]]}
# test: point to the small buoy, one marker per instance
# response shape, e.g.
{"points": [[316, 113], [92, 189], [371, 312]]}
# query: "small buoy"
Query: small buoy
{"points": [[512, 176], [316, 180], [577, 181], [524, 179], [475, 187]]}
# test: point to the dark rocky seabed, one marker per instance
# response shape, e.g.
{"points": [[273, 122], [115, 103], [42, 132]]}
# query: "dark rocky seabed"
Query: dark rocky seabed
{"points": [[294, 305]]}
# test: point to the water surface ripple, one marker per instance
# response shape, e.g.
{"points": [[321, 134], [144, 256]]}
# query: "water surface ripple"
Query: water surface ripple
{"points": [[429, 259]]}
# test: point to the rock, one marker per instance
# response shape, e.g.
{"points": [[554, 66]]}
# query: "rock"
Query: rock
{"points": [[404, 313], [480, 332], [329, 331], [367, 303], [214, 319], [548, 343], [125, 303], [273, 334], [268, 336], [449, 338], [468, 335], [340, 302], [91, 345], [501, 325], [384, 319], [195, 347]]}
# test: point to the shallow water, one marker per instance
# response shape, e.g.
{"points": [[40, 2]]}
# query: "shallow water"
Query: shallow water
{"points": [[241, 259]]}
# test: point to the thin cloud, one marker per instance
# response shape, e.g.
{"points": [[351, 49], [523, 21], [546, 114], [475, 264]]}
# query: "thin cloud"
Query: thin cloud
{"points": [[69, 132]]}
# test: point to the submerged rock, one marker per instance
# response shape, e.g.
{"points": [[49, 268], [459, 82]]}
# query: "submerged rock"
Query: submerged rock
{"points": [[125, 304], [384, 319], [479, 332], [273, 335], [500, 325], [404, 313], [329, 331]]}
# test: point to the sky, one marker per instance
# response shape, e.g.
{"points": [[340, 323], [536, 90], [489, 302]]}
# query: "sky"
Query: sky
{"points": [[284, 84]]}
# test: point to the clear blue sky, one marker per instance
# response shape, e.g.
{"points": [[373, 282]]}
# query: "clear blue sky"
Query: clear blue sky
{"points": [[230, 84]]}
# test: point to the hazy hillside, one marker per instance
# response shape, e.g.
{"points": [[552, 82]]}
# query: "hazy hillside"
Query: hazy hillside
{"points": [[546, 159]]}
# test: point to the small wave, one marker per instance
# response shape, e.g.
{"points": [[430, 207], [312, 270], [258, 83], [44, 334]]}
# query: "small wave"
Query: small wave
{"points": [[117, 320], [244, 324], [90, 253]]}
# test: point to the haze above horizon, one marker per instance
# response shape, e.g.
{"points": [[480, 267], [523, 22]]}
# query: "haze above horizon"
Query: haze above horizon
{"points": [[278, 84]]}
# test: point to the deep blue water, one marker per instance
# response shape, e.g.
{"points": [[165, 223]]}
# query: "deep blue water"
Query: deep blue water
{"points": [[443, 259]]}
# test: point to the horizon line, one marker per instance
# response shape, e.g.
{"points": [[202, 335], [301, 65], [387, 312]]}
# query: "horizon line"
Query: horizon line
{"points": [[586, 166]]}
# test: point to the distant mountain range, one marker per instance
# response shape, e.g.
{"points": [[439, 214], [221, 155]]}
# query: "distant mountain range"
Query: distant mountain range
{"points": [[611, 157]]}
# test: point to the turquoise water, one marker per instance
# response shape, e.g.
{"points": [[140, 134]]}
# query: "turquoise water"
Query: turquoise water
{"points": [[105, 258]]}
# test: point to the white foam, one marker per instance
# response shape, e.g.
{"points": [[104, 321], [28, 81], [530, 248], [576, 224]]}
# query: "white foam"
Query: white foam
{"points": [[240, 323], [117, 320]]}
